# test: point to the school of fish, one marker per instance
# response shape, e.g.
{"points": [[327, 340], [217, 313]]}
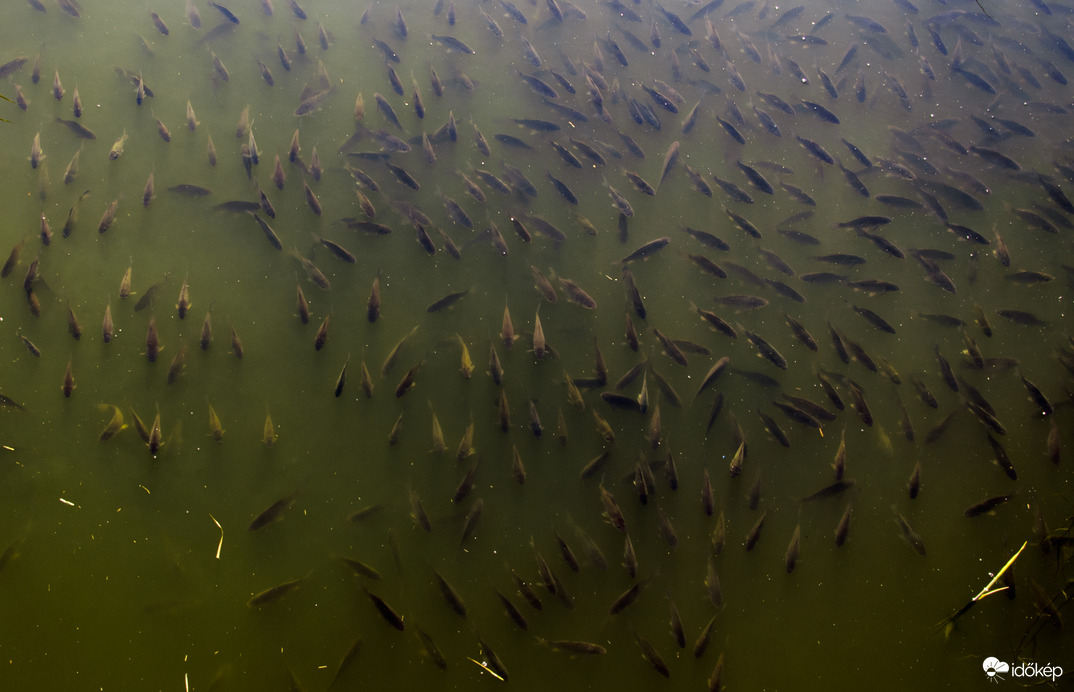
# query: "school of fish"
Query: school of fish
{"points": [[684, 279]]}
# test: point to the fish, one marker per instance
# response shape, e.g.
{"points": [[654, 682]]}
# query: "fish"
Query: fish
{"points": [[910, 534], [836, 488], [114, 426], [36, 154], [383, 106], [152, 342], [671, 349], [154, 438], [407, 382], [178, 364], [216, 428], [68, 381], [117, 148], [843, 527], [874, 319], [859, 403], [628, 597], [431, 649], [512, 11], [447, 301], [576, 295], [12, 66], [473, 516], [452, 596], [238, 351], [270, 234], [620, 202], [228, 14], [754, 534], [386, 612], [766, 349], [321, 337], [647, 250], [77, 128], [817, 151], [191, 121], [1037, 397], [791, 557], [275, 593], [453, 44]]}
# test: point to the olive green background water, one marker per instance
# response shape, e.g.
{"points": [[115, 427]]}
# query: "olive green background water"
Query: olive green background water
{"points": [[115, 583]]}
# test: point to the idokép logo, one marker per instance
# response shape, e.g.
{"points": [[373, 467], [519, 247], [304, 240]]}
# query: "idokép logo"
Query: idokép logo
{"points": [[995, 668]]}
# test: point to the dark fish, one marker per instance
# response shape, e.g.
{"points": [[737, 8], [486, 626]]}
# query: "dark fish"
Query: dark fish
{"points": [[836, 488], [569, 158], [996, 158], [228, 14], [842, 259], [742, 302], [275, 593], [800, 332], [77, 128], [190, 190], [708, 266], [843, 527], [640, 184], [403, 176], [790, 559], [471, 520], [910, 535], [821, 112], [576, 295], [986, 506], [620, 202], [386, 110], [150, 295], [672, 350], [785, 290], [1002, 458], [731, 130], [713, 374], [802, 197], [159, 23], [854, 180], [272, 513], [754, 534], [767, 350], [453, 44], [861, 406], [816, 150], [511, 141], [743, 223], [447, 301], [1037, 397], [647, 250], [12, 66], [407, 382], [538, 85], [270, 234], [1022, 317], [660, 99], [34, 350], [628, 597], [756, 179], [874, 319], [386, 611], [708, 239], [564, 191]]}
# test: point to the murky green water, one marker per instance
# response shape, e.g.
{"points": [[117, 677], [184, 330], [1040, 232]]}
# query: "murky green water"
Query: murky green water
{"points": [[112, 577]]}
